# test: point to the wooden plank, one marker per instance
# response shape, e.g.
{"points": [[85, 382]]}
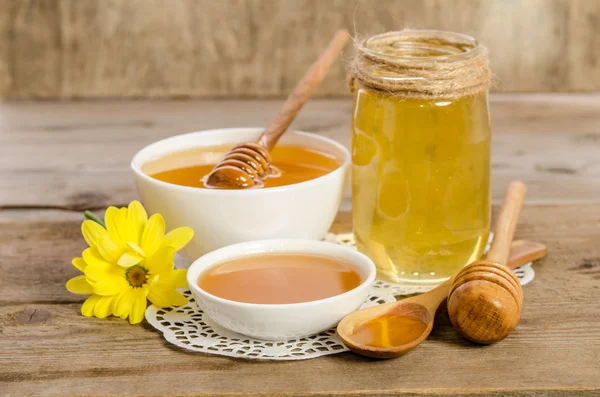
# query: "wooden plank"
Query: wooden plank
{"points": [[6, 55], [50, 349], [33, 36], [147, 48], [75, 155]]}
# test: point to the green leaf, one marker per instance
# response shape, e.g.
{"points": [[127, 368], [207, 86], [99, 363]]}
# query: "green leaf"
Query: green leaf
{"points": [[91, 216]]}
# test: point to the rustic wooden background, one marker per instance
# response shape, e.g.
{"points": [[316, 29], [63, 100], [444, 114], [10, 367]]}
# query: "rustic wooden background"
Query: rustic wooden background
{"points": [[220, 48]]}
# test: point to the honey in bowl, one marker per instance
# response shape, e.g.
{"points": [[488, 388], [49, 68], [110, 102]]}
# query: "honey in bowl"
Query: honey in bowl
{"points": [[295, 163], [279, 278]]}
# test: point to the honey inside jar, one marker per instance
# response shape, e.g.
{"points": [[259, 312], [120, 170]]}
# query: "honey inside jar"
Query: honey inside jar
{"points": [[420, 169], [295, 163], [389, 331], [279, 278]]}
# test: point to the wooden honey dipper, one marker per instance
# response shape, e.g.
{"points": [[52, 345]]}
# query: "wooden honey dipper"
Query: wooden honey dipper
{"points": [[486, 298], [484, 302], [248, 164]]}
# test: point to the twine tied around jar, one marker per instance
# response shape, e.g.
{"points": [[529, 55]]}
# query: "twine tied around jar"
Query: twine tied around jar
{"points": [[421, 64]]}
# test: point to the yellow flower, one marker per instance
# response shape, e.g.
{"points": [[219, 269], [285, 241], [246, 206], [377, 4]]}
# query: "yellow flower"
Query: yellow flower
{"points": [[129, 262]]}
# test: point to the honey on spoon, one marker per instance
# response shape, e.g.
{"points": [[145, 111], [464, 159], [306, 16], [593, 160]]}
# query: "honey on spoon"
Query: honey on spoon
{"points": [[372, 331]]}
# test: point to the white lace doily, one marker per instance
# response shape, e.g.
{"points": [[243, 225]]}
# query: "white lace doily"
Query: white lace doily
{"points": [[189, 328]]}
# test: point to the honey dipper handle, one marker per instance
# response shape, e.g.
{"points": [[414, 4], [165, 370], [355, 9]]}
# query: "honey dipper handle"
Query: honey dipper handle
{"points": [[304, 89], [507, 222]]}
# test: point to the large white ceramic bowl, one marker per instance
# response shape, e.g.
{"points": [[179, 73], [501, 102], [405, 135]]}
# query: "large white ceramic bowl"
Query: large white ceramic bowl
{"points": [[222, 217], [284, 321]]}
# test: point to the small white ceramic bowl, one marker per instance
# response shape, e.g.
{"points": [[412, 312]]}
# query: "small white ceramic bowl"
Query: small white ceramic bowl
{"points": [[222, 217], [282, 321]]}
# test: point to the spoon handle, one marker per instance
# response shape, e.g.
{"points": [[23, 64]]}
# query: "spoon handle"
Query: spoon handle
{"points": [[525, 251], [507, 222], [303, 91]]}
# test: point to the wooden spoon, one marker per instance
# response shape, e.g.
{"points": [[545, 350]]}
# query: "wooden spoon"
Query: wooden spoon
{"points": [[248, 164], [421, 308], [419, 311]]}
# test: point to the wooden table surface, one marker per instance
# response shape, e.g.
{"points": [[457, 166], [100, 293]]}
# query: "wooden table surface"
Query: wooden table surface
{"points": [[60, 158]]}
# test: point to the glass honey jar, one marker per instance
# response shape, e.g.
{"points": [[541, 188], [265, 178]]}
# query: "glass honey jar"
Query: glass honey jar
{"points": [[421, 146]]}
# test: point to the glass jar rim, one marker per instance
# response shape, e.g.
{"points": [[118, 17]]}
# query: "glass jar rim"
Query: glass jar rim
{"points": [[470, 46]]}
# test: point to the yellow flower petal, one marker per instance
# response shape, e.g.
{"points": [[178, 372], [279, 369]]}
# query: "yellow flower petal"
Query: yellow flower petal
{"points": [[97, 267], [87, 309], [90, 231], [92, 257], [103, 307], [152, 237], [136, 218], [116, 226], [139, 306], [79, 263], [161, 261], [110, 286], [179, 278], [173, 279], [178, 238], [165, 297], [97, 236], [127, 233], [136, 248], [123, 303], [79, 285], [129, 259]]}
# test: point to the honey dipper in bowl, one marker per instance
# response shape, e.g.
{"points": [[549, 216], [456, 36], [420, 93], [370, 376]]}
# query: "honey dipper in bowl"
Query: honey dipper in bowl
{"points": [[248, 164]]}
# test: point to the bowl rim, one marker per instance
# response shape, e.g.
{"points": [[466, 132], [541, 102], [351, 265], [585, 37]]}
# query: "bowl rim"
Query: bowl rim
{"points": [[235, 192], [275, 246]]}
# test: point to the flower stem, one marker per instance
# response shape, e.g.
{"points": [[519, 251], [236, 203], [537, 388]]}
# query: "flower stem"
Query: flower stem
{"points": [[91, 216]]}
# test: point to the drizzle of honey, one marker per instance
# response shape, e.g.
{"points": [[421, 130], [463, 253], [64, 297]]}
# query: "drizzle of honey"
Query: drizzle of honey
{"points": [[389, 330], [279, 278], [188, 167]]}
